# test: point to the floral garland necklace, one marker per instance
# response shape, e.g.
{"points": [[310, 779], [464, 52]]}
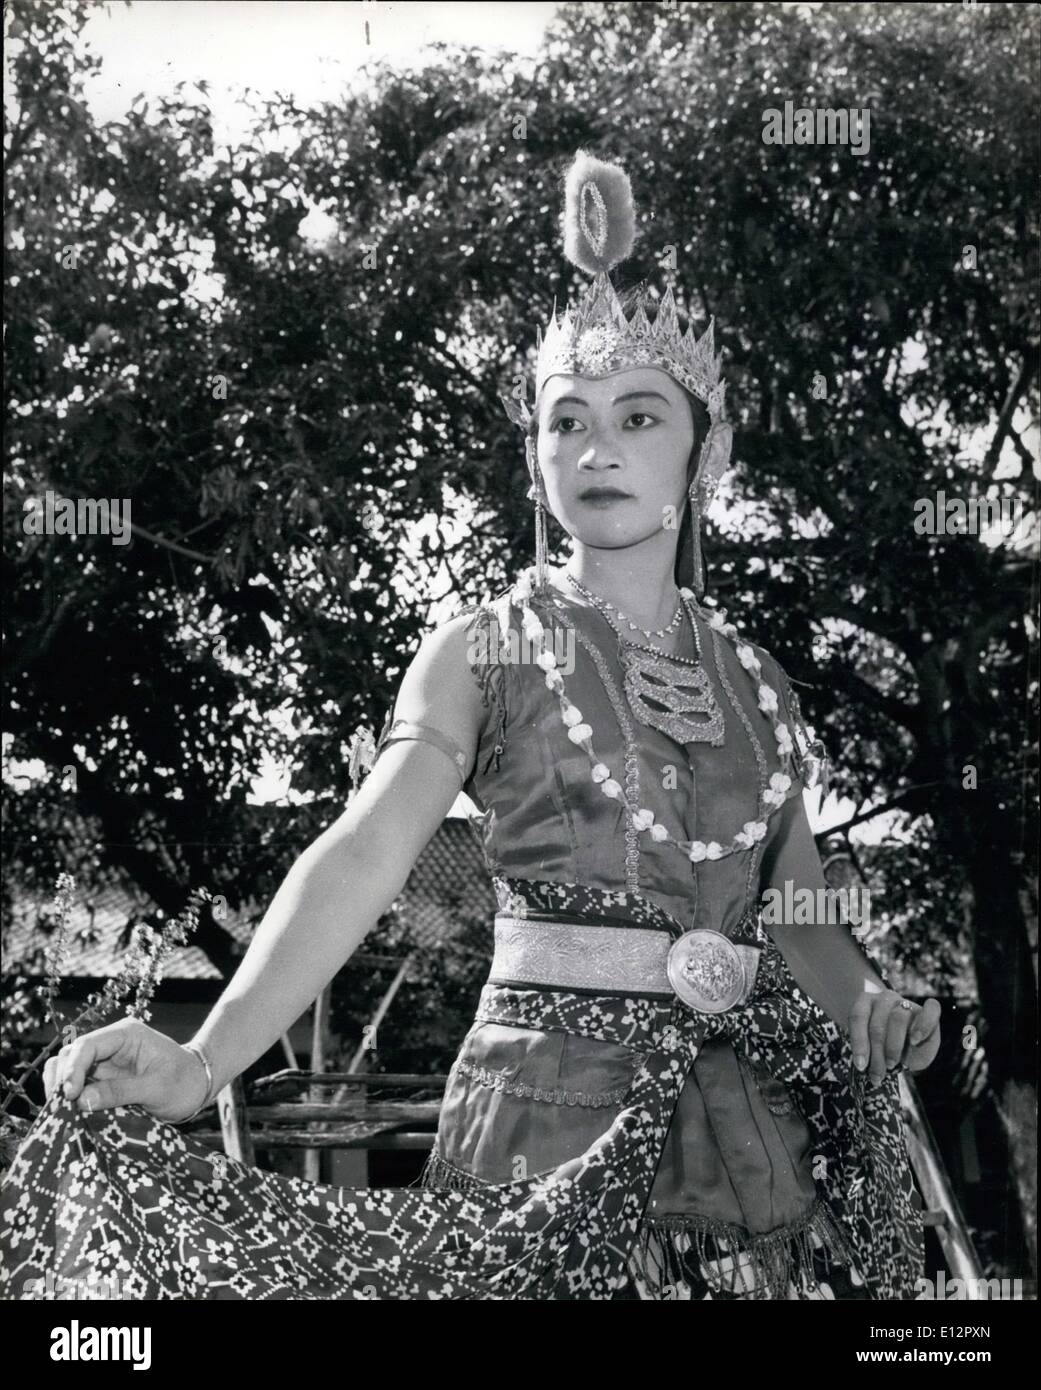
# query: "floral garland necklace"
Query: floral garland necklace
{"points": [[771, 794]]}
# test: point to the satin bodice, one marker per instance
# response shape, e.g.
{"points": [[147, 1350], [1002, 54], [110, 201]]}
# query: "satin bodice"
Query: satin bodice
{"points": [[539, 813]]}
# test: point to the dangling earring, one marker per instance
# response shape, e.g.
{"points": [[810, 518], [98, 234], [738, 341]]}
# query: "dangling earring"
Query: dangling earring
{"points": [[540, 523], [698, 576], [712, 462]]}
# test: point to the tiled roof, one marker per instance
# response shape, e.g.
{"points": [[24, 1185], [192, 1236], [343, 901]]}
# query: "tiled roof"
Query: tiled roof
{"points": [[448, 883], [99, 933]]}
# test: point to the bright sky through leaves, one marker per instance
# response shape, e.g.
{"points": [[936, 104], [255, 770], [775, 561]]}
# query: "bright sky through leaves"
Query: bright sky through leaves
{"points": [[307, 50]]}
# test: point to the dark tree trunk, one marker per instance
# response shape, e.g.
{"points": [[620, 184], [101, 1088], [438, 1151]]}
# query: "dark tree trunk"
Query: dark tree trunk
{"points": [[982, 836], [981, 827]]}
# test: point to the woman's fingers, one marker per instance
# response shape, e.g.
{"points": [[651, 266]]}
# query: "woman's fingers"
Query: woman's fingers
{"points": [[123, 1090], [897, 1028], [882, 1006], [104, 1071], [926, 1022], [884, 1034], [923, 1040], [76, 1059], [125, 1063], [859, 1017]]}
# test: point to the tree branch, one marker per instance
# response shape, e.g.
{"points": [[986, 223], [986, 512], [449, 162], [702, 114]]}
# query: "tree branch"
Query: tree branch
{"points": [[171, 545], [442, 351], [896, 803], [1005, 417], [1022, 450], [908, 716]]}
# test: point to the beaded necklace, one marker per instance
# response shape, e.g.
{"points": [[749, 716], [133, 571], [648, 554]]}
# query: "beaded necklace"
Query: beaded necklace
{"points": [[772, 791], [603, 605]]}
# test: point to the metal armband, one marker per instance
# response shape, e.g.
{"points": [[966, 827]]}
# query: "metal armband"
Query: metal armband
{"points": [[423, 733]]}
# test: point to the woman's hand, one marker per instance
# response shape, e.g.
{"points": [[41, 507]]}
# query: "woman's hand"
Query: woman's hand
{"points": [[128, 1063], [887, 1031]]}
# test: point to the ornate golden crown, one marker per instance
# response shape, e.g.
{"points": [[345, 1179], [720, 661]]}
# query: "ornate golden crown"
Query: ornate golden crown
{"points": [[594, 337]]}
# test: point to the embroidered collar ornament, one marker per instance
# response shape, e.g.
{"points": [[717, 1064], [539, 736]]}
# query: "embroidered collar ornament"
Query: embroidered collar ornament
{"points": [[772, 792], [665, 691]]}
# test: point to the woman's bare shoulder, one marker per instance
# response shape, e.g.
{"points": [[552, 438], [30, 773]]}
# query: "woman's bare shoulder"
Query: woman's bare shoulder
{"points": [[439, 688]]}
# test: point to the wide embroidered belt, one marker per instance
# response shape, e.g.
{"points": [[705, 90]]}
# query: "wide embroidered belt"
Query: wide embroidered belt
{"points": [[706, 970]]}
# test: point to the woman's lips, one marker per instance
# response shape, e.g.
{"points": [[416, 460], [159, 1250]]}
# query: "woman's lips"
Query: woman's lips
{"points": [[602, 499]]}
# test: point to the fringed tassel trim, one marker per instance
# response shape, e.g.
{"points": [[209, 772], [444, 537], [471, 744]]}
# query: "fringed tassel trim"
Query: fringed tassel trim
{"points": [[675, 1250], [683, 1250], [439, 1173], [811, 758], [483, 638]]}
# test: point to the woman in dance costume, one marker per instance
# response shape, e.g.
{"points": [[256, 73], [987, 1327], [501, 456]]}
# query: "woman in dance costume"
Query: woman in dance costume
{"points": [[665, 1092]]}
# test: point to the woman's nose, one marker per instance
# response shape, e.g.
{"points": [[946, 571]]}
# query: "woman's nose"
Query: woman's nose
{"points": [[600, 452]]}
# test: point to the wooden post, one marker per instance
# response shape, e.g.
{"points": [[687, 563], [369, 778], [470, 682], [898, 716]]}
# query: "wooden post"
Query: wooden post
{"points": [[361, 755], [313, 1157], [287, 1048], [359, 1061], [941, 1206], [234, 1123]]}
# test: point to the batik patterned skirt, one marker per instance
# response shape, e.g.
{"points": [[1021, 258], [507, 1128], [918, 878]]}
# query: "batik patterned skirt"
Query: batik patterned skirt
{"points": [[118, 1199]]}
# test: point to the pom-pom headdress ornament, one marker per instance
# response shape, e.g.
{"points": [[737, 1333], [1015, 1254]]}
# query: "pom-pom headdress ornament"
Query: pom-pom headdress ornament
{"points": [[594, 338]]}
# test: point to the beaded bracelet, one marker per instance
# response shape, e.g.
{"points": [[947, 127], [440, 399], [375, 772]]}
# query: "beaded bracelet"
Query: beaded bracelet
{"points": [[198, 1052]]}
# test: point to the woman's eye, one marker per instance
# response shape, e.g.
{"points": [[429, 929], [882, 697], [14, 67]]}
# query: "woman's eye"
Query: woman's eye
{"points": [[636, 415]]}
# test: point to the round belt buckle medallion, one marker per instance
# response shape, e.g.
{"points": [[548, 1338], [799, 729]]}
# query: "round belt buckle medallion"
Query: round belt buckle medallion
{"points": [[706, 971]]}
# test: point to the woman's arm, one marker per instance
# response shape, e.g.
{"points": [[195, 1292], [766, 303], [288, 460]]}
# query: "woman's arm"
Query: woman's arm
{"points": [[342, 883], [331, 897], [830, 967]]}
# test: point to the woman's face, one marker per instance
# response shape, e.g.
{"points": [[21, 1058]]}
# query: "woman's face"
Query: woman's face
{"points": [[630, 433]]}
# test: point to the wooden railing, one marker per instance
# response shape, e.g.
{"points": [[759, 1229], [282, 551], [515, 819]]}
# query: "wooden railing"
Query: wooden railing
{"points": [[266, 1114], [941, 1210]]}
